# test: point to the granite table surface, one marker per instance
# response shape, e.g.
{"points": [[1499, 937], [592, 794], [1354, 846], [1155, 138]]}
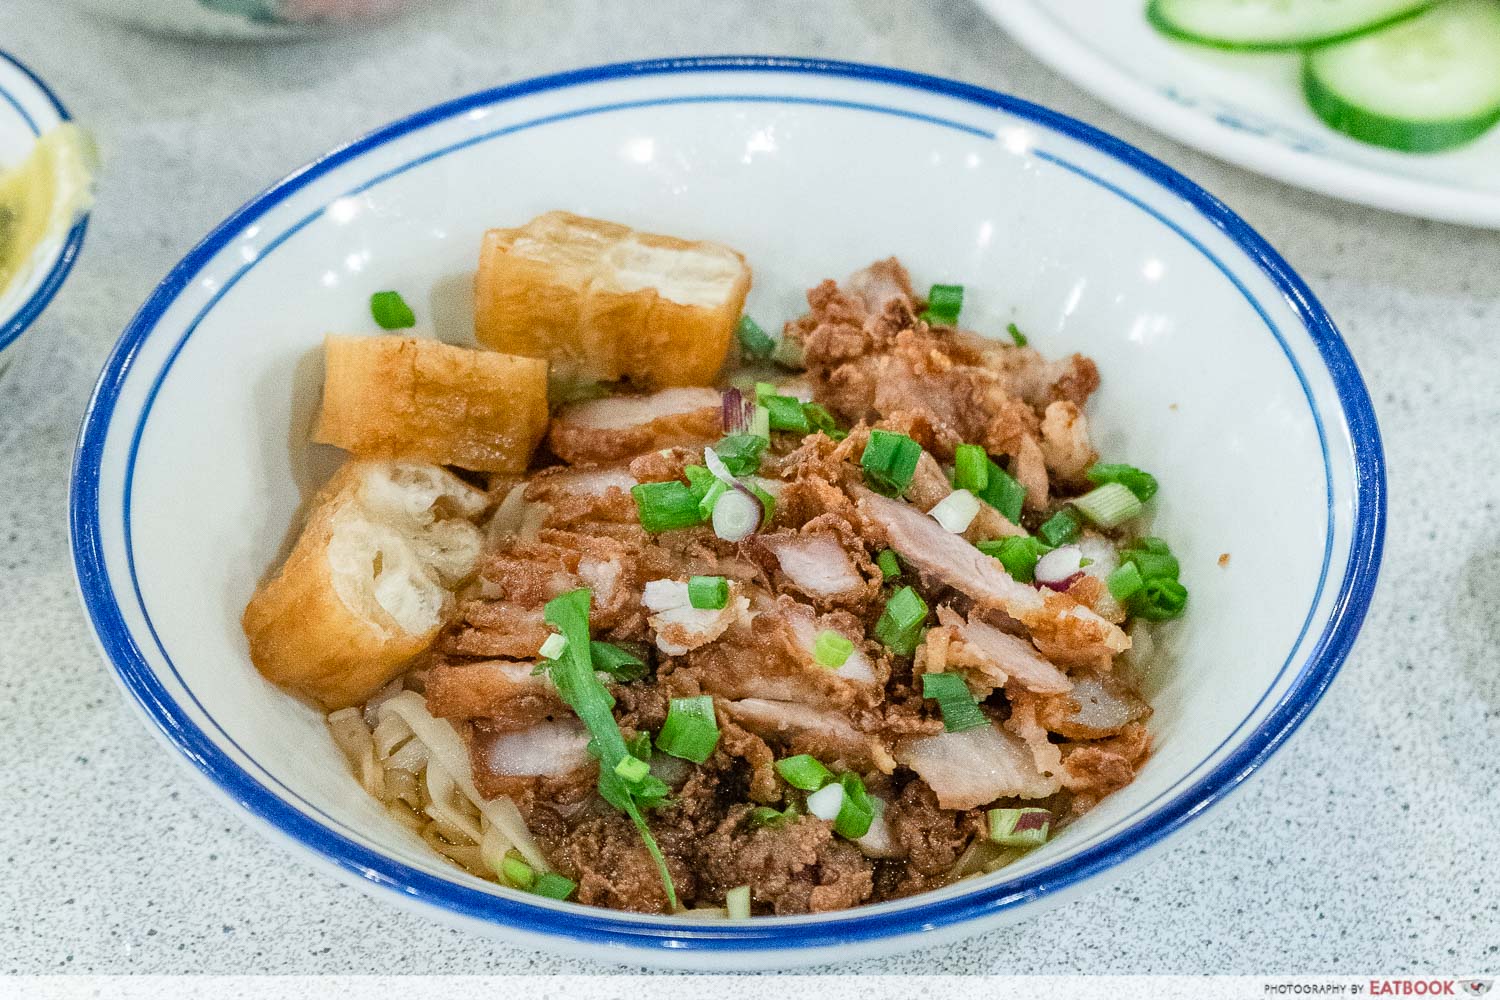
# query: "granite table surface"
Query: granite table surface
{"points": [[1370, 843]]}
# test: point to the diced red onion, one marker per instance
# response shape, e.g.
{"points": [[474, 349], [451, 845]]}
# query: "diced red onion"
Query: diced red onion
{"points": [[1063, 585], [737, 514], [1059, 565], [737, 412]]}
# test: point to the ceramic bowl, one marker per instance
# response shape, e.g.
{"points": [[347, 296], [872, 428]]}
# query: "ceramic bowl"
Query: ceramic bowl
{"points": [[1222, 375], [27, 110]]}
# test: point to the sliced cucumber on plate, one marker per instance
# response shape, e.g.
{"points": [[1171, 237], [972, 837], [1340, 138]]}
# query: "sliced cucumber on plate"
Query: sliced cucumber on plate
{"points": [[1427, 84], [1276, 24]]}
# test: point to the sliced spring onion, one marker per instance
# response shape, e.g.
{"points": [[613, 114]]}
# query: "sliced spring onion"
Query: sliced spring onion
{"points": [[832, 649], [578, 686], [1025, 827], [819, 419], [639, 746], [691, 731], [741, 453], [890, 460], [971, 468], [391, 311], [804, 771], [1015, 334], [890, 567], [1003, 492], [737, 515], [699, 478], [711, 499], [554, 886], [1153, 565], [956, 511], [955, 701], [760, 423], [632, 769], [1160, 600], [773, 818], [716, 467], [856, 811], [515, 870], [900, 624], [666, 506], [826, 802], [1018, 555], [1142, 484], [1110, 505], [708, 593], [755, 343], [553, 647], [1060, 529], [1125, 582], [785, 413], [737, 902], [943, 304]]}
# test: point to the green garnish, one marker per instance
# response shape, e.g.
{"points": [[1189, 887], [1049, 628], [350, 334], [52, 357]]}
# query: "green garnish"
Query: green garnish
{"points": [[1025, 827], [1060, 529], [804, 771], [1109, 506], [1002, 492], [620, 663], [971, 469], [890, 568], [391, 311], [755, 343], [955, 701], [691, 731], [555, 886], [900, 624], [890, 460], [741, 453], [708, 593], [943, 304], [856, 812], [1017, 554], [1016, 334], [831, 649], [1142, 484], [1146, 581], [819, 419], [666, 506]]}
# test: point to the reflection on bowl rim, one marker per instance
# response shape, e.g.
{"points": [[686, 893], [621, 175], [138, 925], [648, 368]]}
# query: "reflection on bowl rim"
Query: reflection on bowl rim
{"points": [[12, 326], [664, 936]]}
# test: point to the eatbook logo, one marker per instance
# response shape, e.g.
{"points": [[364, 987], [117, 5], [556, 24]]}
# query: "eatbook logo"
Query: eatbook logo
{"points": [[1475, 987]]}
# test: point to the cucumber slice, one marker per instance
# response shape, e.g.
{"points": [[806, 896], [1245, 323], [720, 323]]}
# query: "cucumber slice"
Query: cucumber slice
{"points": [[1427, 84], [1261, 25]]}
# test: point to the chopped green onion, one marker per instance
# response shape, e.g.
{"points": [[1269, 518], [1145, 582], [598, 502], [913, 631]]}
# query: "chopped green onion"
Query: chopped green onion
{"points": [[1003, 492], [960, 710], [764, 391], [617, 661], [1016, 334], [832, 649], [691, 731], [773, 818], [391, 311], [943, 304], [555, 886], [1153, 565], [1153, 544], [1017, 554], [760, 423], [890, 460], [890, 568], [819, 419], [711, 497], [1142, 484], [708, 593], [856, 812], [741, 453], [785, 413], [1125, 582], [632, 769], [699, 478], [580, 689], [1160, 600], [1060, 529], [1109, 506], [755, 343], [900, 624], [515, 870], [639, 746], [666, 506], [804, 771], [553, 647], [1159, 595], [737, 902], [971, 468], [1025, 827]]}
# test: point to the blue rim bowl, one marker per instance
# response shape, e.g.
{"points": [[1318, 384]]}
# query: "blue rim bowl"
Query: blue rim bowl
{"points": [[716, 944]]}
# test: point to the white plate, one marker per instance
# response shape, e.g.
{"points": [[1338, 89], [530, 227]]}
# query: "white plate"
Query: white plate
{"points": [[1221, 374], [1246, 108]]}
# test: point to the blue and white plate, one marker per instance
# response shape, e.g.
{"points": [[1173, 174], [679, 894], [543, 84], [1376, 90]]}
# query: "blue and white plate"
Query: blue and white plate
{"points": [[1222, 374], [27, 110]]}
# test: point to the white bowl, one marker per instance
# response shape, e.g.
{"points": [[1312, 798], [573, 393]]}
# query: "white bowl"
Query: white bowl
{"points": [[27, 110], [1221, 374]]}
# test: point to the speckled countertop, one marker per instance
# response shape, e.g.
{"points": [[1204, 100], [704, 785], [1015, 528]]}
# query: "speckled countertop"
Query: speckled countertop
{"points": [[1368, 844]]}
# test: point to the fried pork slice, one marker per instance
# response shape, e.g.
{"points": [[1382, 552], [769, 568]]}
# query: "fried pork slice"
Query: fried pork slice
{"points": [[818, 565], [930, 487], [604, 302], [679, 626], [1098, 705], [510, 694], [581, 494], [547, 761], [369, 582], [619, 427], [1064, 631], [1065, 444], [991, 658], [388, 397], [1093, 770], [823, 733], [971, 768]]}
